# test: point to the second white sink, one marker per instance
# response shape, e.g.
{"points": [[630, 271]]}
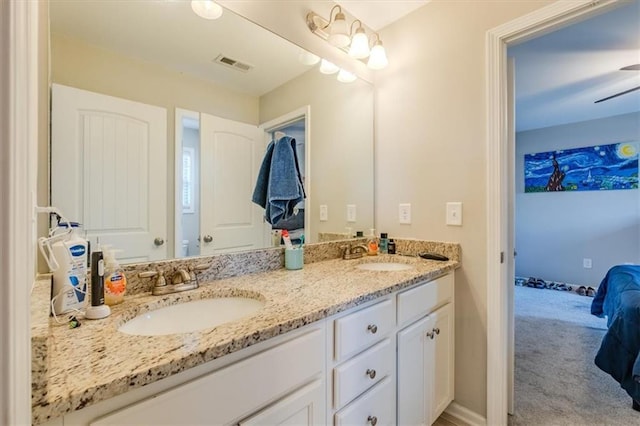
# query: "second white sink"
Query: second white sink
{"points": [[191, 316], [384, 266]]}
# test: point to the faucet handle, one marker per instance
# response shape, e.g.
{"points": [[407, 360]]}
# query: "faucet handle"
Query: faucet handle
{"points": [[160, 282]]}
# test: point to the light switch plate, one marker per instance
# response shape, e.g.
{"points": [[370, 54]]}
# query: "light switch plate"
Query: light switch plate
{"points": [[324, 213], [404, 214], [454, 214], [351, 212]]}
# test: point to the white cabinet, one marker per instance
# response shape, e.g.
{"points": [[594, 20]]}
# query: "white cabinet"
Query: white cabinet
{"points": [[277, 377], [305, 407], [374, 408], [425, 368]]}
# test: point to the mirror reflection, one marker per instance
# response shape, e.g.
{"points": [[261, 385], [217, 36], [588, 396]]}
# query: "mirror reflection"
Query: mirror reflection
{"points": [[161, 121]]}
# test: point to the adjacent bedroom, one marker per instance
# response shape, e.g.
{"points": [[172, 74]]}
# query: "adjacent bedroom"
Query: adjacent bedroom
{"points": [[577, 223]]}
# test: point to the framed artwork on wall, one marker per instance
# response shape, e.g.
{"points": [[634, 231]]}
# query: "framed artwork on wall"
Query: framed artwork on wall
{"points": [[594, 168]]}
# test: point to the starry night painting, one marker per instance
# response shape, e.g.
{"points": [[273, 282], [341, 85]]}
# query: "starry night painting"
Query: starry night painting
{"points": [[593, 168]]}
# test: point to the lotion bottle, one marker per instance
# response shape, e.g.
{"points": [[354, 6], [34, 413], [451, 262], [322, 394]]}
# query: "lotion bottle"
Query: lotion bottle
{"points": [[115, 282], [373, 244]]}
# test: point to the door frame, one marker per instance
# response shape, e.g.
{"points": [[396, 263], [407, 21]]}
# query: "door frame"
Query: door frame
{"points": [[278, 123], [498, 163], [21, 83], [180, 114]]}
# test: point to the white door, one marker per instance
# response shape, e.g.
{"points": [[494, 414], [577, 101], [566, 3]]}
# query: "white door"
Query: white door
{"points": [[108, 170], [230, 156], [441, 368]]}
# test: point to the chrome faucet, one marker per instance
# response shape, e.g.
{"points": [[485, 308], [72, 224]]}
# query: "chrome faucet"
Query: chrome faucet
{"points": [[354, 252], [181, 280]]}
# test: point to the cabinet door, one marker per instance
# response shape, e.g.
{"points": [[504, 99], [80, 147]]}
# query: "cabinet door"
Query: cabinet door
{"points": [[414, 393], [304, 407], [442, 367], [425, 368]]}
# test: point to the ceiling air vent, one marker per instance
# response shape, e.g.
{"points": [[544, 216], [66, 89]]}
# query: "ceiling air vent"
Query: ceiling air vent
{"points": [[232, 63]]}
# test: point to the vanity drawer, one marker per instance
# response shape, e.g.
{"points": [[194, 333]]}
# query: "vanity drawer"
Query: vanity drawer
{"points": [[419, 301], [361, 372], [374, 407], [358, 331]]}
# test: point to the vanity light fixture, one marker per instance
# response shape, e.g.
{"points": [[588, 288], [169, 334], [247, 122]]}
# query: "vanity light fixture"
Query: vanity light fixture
{"points": [[345, 76], [378, 57], [207, 9], [355, 43], [338, 28], [308, 58], [359, 42], [327, 67]]}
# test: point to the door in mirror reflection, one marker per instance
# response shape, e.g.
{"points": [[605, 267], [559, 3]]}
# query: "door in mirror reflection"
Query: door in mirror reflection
{"points": [[108, 168]]}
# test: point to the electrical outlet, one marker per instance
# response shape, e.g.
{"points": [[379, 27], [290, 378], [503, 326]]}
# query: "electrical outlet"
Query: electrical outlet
{"points": [[586, 263], [351, 212], [454, 214], [404, 214], [324, 213]]}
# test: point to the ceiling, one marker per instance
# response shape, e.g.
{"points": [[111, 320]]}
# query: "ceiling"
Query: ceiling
{"points": [[169, 34], [560, 75]]}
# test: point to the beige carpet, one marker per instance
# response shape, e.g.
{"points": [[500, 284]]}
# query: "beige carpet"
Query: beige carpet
{"points": [[556, 381]]}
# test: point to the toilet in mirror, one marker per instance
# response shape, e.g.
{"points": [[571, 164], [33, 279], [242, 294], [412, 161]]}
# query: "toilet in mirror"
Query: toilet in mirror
{"points": [[174, 135]]}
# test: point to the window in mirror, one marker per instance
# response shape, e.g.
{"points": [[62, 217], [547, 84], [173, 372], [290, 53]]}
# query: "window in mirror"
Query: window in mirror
{"points": [[188, 180]]}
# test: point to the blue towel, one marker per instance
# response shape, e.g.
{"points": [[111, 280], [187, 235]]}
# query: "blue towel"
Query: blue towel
{"points": [[279, 185]]}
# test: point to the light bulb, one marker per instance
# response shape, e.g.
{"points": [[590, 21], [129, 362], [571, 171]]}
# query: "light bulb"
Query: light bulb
{"points": [[339, 31], [327, 67], [359, 45], [207, 9], [346, 77], [378, 58]]}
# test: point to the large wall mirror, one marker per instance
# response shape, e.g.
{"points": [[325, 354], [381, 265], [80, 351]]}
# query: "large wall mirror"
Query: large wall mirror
{"points": [[197, 80]]}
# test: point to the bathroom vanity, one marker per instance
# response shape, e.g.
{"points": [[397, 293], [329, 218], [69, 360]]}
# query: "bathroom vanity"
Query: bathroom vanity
{"points": [[334, 343]]}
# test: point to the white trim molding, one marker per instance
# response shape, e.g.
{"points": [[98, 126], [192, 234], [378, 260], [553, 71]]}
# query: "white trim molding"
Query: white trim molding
{"points": [[459, 415], [534, 24], [19, 85]]}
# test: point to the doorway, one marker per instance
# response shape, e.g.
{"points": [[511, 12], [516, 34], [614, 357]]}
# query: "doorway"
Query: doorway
{"points": [[500, 197]]}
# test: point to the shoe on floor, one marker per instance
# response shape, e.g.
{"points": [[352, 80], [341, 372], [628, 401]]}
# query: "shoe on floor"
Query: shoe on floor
{"points": [[591, 292], [582, 290]]}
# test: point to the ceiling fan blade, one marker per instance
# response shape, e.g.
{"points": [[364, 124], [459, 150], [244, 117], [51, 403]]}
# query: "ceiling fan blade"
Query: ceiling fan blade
{"points": [[635, 67], [618, 94]]}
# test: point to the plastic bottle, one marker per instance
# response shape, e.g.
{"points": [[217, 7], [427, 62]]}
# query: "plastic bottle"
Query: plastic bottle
{"points": [[391, 247], [115, 282], [373, 244], [384, 240], [70, 277]]}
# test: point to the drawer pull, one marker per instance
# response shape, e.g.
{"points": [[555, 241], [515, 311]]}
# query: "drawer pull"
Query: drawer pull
{"points": [[372, 420], [436, 330], [431, 334], [371, 373], [372, 328]]}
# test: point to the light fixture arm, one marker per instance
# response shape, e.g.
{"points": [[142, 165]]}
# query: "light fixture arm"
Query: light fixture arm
{"points": [[360, 27], [331, 17]]}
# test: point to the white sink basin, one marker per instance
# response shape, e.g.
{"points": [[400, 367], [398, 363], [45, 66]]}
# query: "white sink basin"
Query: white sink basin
{"points": [[191, 316], [384, 266]]}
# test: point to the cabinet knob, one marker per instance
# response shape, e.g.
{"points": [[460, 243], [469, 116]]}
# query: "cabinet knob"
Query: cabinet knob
{"points": [[436, 330], [431, 334], [158, 241], [372, 328], [207, 238], [371, 373], [372, 420]]}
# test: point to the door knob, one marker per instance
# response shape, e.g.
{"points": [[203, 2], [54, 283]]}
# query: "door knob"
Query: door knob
{"points": [[158, 241], [207, 238]]}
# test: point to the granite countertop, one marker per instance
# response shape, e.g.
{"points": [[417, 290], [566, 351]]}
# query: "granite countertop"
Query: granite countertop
{"points": [[95, 361]]}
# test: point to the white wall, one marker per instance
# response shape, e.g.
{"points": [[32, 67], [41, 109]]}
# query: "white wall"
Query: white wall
{"points": [[556, 231], [341, 138], [430, 138]]}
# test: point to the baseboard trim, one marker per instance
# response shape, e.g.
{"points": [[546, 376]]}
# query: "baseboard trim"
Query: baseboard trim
{"points": [[459, 415]]}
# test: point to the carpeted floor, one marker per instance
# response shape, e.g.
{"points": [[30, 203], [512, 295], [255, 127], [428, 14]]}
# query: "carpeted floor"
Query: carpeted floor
{"points": [[556, 381]]}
